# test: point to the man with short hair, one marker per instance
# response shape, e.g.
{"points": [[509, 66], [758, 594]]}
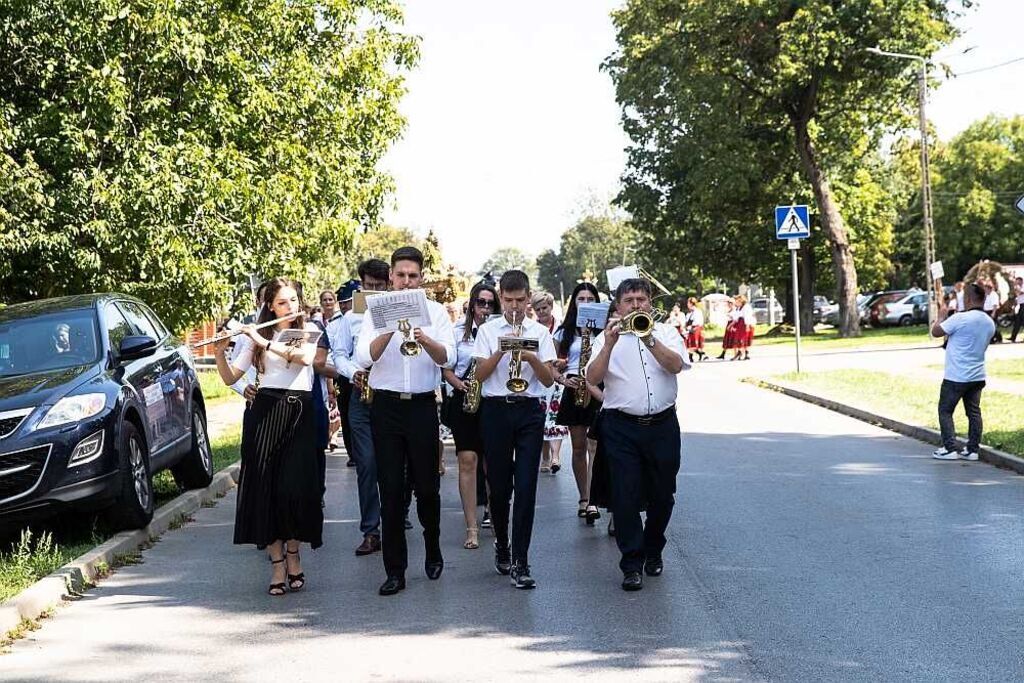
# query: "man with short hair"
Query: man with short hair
{"points": [[1018, 317], [512, 423], [967, 337], [639, 429], [405, 422]]}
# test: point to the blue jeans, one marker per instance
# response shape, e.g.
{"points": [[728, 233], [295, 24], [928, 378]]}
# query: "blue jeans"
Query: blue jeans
{"points": [[951, 394], [366, 466]]}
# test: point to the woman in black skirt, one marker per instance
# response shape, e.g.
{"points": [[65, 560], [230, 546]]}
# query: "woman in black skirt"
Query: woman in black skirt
{"points": [[279, 486], [577, 418], [469, 447]]}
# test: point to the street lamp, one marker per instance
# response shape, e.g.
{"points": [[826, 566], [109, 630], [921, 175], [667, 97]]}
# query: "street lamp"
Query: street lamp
{"points": [[926, 187]]}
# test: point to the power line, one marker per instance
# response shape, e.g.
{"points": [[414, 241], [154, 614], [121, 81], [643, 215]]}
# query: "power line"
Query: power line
{"points": [[989, 68]]}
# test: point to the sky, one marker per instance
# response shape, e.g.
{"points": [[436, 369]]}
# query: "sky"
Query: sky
{"points": [[512, 127]]}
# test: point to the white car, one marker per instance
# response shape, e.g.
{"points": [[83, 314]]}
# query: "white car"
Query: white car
{"points": [[909, 309]]}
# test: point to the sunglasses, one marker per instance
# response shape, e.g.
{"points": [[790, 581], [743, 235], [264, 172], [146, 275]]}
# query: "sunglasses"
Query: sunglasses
{"points": [[486, 303]]}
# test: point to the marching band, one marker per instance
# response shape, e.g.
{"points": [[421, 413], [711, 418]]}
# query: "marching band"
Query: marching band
{"points": [[496, 366]]}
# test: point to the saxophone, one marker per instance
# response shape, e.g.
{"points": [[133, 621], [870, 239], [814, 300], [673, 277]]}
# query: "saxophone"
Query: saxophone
{"points": [[581, 395], [471, 402], [365, 391]]}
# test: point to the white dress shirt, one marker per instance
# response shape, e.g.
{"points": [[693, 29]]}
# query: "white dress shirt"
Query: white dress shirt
{"points": [[343, 333], [279, 373], [695, 318], [573, 358], [487, 343], [463, 350], [408, 374], [635, 382], [991, 301]]}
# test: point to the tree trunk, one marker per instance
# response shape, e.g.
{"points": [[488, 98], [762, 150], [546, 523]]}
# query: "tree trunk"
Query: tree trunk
{"points": [[832, 222], [806, 266]]}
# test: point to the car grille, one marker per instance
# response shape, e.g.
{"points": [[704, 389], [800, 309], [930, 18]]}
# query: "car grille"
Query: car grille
{"points": [[20, 471], [9, 421]]}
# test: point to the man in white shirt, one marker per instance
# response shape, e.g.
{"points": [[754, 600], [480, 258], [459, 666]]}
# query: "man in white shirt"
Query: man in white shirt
{"points": [[967, 338], [405, 424], [512, 423], [343, 333], [639, 430], [1018, 316], [991, 307]]}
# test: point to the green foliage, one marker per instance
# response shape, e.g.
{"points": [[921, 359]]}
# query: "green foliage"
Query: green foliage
{"points": [[28, 561], [169, 149], [508, 258], [599, 241]]}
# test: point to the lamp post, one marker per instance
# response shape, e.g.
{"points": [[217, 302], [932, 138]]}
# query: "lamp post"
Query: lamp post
{"points": [[926, 187]]}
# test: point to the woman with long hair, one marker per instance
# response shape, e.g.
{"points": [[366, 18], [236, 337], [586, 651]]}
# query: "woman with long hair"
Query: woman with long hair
{"points": [[739, 328], [554, 433], [469, 449], [279, 486], [695, 328], [577, 418]]}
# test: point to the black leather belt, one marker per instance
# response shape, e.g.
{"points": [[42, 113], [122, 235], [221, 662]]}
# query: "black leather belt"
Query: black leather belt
{"points": [[402, 396], [645, 419], [511, 398]]}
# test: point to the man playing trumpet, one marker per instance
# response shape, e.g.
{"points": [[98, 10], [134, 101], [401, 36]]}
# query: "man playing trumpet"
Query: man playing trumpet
{"points": [[640, 430], [514, 356]]}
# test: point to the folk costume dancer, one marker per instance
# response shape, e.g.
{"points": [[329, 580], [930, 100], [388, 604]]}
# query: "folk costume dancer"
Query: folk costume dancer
{"points": [[513, 423], [695, 328], [405, 423], [639, 429]]}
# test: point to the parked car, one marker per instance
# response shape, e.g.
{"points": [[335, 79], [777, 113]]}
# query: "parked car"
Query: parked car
{"points": [[875, 307], [760, 306], [872, 302], [909, 309], [96, 396], [821, 308], [831, 314]]}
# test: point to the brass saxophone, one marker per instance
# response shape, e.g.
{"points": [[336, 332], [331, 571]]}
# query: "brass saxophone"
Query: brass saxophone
{"points": [[365, 391], [471, 402], [581, 395]]}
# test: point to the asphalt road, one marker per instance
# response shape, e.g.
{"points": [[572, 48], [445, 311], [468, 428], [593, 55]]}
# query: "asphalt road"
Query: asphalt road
{"points": [[805, 546]]}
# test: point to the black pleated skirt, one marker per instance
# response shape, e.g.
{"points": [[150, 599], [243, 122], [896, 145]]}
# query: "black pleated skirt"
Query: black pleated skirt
{"points": [[572, 415], [279, 483]]}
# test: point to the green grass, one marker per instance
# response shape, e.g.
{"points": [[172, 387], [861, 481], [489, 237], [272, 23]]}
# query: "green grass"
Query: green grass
{"points": [[915, 402], [1011, 369], [39, 549], [213, 386], [828, 338]]}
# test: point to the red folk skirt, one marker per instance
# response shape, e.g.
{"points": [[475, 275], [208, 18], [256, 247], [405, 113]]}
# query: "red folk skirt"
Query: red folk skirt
{"points": [[750, 336], [695, 339], [739, 332]]}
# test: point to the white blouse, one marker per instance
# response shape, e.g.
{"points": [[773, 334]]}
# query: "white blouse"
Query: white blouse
{"points": [[278, 373]]}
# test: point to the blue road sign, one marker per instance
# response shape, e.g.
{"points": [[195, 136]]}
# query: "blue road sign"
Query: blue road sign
{"points": [[792, 222]]}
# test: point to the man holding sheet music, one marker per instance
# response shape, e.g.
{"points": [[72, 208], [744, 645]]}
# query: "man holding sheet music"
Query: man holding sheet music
{"points": [[404, 415]]}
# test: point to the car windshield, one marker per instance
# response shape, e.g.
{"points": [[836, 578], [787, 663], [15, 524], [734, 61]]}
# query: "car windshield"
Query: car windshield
{"points": [[50, 341]]}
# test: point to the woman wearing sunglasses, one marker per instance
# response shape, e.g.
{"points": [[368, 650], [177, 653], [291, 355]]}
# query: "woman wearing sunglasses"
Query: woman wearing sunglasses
{"points": [[483, 302]]}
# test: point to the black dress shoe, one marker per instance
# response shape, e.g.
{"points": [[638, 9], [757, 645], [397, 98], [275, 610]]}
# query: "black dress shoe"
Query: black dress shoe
{"points": [[434, 569], [632, 581], [408, 524], [392, 585], [654, 566], [502, 559], [370, 545]]}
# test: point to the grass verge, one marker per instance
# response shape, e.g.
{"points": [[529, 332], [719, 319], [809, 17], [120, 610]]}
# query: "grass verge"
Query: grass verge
{"points": [[213, 387], [826, 338], [914, 401], [30, 553]]}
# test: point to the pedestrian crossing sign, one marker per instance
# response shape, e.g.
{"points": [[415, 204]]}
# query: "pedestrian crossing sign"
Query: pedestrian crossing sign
{"points": [[792, 222]]}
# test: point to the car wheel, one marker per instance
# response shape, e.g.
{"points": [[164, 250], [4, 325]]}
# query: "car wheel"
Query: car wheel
{"points": [[905, 321], [133, 508], [195, 471]]}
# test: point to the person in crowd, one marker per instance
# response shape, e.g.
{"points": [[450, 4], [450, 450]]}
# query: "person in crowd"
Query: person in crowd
{"points": [[1018, 316], [554, 433], [465, 426], [639, 429], [324, 401], [578, 418], [676, 319], [345, 294], [694, 326], [344, 334], [968, 334], [405, 423], [749, 323], [958, 291], [991, 307], [729, 337], [342, 383], [62, 338], [279, 486], [512, 422]]}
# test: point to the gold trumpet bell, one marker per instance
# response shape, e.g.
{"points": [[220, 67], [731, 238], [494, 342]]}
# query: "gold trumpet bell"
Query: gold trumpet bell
{"points": [[517, 385]]}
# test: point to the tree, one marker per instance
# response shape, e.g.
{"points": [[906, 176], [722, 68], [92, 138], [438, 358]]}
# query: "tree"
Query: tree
{"points": [[509, 258], [169, 149], [724, 100], [600, 240]]}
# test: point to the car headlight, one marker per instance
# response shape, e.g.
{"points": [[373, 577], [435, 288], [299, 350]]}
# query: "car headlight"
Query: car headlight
{"points": [[73, 409]]}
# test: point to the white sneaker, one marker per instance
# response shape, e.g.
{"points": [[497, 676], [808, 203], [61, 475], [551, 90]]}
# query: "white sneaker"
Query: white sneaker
{"points": [[967, 455], [943, 454]]}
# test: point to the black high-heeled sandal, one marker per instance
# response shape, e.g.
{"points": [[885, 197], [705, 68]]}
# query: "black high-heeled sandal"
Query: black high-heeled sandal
{"points": [[293, 579], [593, 514], [582, 512], [276, 589]]}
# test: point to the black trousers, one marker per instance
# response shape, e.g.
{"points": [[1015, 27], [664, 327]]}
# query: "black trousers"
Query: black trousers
{"points": [[513, 436], [405, 436], [344, 397], [643, 461], [1018, 322]]}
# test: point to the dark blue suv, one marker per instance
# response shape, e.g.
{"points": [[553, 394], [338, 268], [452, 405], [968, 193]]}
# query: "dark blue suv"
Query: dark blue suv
{"points": [[95, 397]]}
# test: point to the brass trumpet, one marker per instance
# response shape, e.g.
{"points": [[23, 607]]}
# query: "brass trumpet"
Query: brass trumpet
{"points": [[516, 383], [640, 323], [409, 347]]}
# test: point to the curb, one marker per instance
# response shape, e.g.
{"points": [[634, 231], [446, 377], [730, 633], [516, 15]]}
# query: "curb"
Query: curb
{"points": [[68, 581], [992, 456]]}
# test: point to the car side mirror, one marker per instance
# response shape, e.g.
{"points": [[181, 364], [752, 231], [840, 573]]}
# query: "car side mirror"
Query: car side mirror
{"points": [[134, 347]]}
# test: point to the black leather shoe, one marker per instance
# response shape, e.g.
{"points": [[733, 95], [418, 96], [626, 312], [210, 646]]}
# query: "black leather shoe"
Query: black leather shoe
{"points": [[434, 569], [654, 566], [632, 581], [370, 545], [520, 574], [502, 559], [407, 523], [392, 585]]}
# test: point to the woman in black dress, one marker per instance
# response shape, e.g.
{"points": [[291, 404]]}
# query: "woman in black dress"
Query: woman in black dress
{"points": [[279, 486]]}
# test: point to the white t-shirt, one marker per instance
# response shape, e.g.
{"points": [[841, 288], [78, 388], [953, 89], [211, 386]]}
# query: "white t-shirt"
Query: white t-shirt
{"points": [[278, 373], [968, 336], [991, 301]]}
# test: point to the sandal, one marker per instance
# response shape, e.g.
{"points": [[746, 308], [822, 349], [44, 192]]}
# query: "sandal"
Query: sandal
{"points": [[472, 538], [582, 512], [276, 589], [296, 581], [593, 514]]}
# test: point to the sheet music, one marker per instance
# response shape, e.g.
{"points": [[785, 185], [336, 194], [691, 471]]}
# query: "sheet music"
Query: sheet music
{"points": [[594, 314], [385, 310]]}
